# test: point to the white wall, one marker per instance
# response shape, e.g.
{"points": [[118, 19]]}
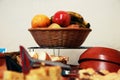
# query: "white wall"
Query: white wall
{"points": [[103, 15]]}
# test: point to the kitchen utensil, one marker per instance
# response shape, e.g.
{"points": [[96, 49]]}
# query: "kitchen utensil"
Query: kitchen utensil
{"points": [[100, 58], [29, 63]]}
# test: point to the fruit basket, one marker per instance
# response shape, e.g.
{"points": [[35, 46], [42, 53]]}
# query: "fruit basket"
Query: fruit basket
{"points": [[63, 29], [62, 37]]}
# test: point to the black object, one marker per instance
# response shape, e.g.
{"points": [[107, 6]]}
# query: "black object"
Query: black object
{"points": [[12, 65]]}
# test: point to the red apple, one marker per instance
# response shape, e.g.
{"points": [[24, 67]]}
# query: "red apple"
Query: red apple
{"points": [[62, 18]]}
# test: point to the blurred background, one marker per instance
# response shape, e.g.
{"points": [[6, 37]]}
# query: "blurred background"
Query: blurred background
{"points": [[103, 16]]}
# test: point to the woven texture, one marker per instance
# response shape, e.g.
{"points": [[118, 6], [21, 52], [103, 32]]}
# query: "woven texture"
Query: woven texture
{"points": [[63, 37]]}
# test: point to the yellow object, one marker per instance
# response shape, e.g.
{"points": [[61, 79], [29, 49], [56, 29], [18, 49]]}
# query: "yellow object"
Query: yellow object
{"points": [[12, 75], [54, 25]]}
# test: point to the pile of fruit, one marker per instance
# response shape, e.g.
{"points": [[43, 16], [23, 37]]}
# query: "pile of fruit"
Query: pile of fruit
{"points": [[61, 19]]}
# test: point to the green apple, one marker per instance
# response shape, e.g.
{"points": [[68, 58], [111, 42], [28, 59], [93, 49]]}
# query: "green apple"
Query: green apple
{"points": [[54, 25]]}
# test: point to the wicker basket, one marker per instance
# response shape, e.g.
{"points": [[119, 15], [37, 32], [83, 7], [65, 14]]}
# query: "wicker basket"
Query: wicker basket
{"points": [[62, 37]]}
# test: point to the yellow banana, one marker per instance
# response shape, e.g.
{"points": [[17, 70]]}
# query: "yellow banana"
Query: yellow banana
{"points": [[76, 18]]}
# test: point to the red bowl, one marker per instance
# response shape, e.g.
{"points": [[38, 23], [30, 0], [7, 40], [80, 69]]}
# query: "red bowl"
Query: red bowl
{"points": [[100, 58]]}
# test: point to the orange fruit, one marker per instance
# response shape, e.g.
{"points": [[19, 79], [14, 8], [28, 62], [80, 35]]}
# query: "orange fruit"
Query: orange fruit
{"points": [[40, 20]]}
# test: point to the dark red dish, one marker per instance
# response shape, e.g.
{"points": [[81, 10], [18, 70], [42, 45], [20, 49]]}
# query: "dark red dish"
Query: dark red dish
{"points": [[100, 58]]}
